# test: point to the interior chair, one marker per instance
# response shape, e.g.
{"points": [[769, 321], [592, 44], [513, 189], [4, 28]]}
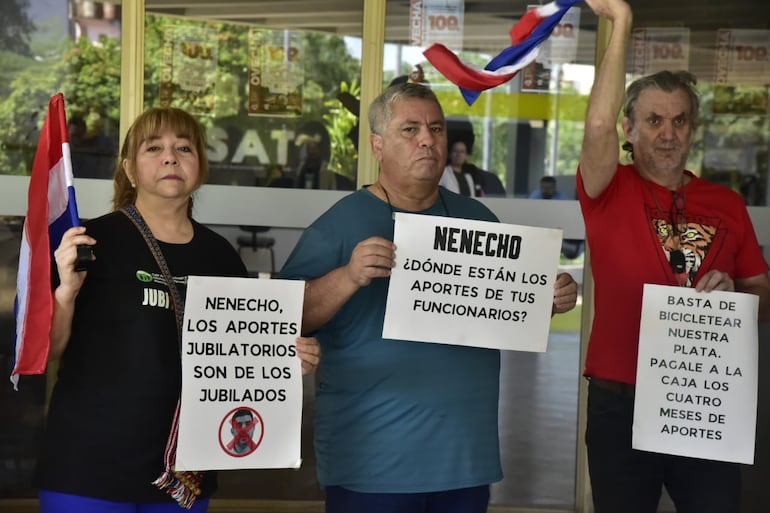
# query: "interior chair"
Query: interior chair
{"points": [[256, 242]]}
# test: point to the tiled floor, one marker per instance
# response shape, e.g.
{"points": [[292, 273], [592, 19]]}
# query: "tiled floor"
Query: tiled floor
{"points": [[538, 425]]}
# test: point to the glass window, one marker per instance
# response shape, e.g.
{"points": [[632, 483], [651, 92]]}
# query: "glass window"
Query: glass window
{"points": [[54, 48], [274, 124], [524, 128], [270, 97], [47, 47]]}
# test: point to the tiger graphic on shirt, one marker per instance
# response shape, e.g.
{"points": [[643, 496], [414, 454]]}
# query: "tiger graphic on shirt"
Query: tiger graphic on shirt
{"points": [[695, 240]]}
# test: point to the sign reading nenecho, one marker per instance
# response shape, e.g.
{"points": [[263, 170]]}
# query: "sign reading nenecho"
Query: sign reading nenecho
{"points": [[472, 283]]}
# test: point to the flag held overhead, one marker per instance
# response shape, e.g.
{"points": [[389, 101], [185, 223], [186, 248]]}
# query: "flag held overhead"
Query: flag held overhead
{"points": [[527, 36], [51, 210]]}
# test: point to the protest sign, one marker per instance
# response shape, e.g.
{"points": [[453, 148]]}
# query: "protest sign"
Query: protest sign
{"points": [[696, 380], [241, 377], [472, 283]]}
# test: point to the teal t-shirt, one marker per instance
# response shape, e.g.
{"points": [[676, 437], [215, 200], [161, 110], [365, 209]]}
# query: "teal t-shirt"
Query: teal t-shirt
{"points": [[394, 416]]}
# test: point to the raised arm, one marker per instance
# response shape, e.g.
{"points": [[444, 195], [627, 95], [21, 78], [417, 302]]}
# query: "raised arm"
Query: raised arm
{"points": [[324, 296], [599, 155]]}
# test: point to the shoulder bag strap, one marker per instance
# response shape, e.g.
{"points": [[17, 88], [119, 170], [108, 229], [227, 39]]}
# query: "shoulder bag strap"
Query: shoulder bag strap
{"points": [[183, 486]]}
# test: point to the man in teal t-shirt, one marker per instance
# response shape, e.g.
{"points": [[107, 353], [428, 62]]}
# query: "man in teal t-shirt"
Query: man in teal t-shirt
{"points": [[401, 427]]}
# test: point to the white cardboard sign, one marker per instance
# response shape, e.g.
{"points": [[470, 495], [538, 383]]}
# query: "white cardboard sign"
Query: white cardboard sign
{"points": [[472, 283], [696, 381], [241, 378]]}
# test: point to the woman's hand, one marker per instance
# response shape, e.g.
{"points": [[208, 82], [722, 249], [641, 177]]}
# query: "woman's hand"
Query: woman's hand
{"points": [[66, 256], [70, 282]]}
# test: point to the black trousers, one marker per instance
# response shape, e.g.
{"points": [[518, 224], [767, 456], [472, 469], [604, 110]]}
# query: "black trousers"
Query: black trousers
{"points": [[625, 480]]}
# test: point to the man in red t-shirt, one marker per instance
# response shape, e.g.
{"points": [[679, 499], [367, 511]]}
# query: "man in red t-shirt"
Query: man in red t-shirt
{"points": [[651, 222]]}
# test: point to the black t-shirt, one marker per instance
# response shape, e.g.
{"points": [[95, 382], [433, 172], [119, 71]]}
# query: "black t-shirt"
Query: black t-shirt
{"points": [[120, 376]]}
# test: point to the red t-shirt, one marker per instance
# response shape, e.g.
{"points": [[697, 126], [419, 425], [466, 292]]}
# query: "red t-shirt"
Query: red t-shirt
{"points": [[627, 228]]}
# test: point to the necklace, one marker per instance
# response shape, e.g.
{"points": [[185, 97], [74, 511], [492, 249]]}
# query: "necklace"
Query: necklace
{"points": [[393, 212], [676, 257], [387, 196]]}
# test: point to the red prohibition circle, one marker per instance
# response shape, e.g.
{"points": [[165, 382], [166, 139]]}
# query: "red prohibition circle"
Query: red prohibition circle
{"points": [[241, 433]]}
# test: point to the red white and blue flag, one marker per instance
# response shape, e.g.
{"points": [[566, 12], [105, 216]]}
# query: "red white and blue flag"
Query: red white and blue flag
{"points": [[526, 38], [51, 210]]}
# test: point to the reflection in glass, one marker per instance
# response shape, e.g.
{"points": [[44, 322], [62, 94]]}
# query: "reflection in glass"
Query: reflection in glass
{"points": [[75, 51], [268, 97]]}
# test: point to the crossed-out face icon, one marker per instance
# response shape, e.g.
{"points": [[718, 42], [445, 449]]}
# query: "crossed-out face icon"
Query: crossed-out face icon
{"points": [[241, 431]]}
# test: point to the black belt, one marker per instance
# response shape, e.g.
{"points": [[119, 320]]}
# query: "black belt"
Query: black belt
{"points": [[617, 387]]}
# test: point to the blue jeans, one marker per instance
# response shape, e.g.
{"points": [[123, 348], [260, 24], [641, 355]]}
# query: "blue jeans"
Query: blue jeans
{"points": [[631, 481], [465, 500], [55, 502]]}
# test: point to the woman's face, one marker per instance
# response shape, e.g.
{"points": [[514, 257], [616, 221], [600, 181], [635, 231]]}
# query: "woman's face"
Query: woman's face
{"points": [[167, 166]]}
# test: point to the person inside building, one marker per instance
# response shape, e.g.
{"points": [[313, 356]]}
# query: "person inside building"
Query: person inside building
{"points": [[547, 190]]}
